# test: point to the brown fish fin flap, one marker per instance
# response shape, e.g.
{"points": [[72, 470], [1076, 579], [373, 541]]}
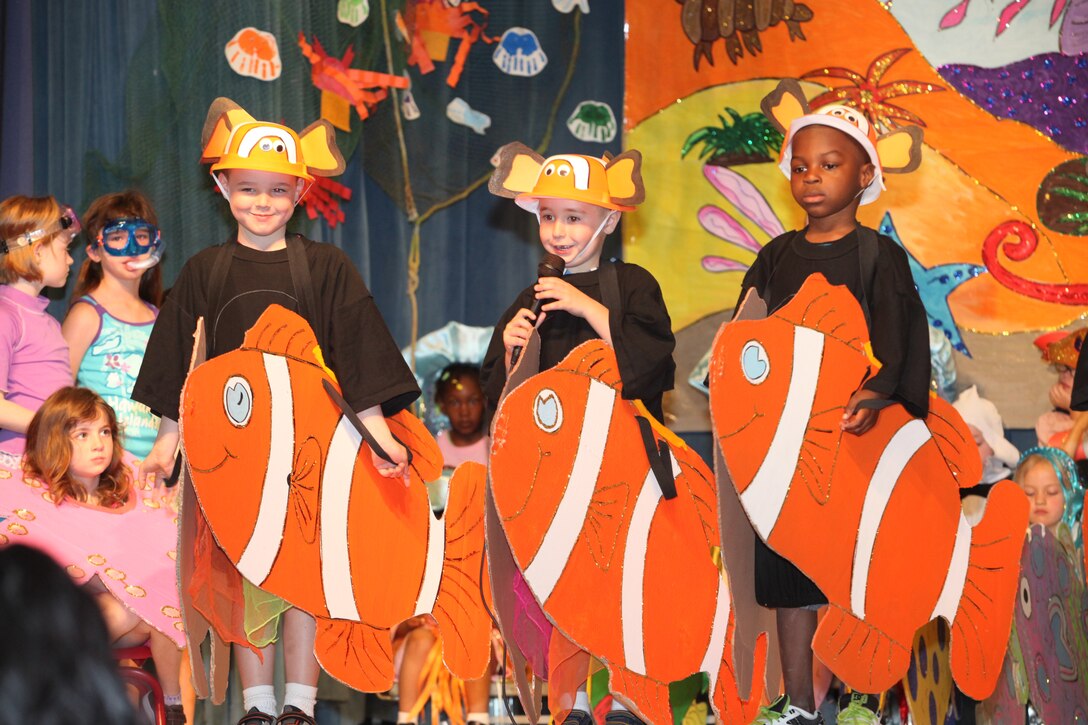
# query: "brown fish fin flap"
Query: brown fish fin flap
{"points": [[279, 331], [413, 435], [463, 617], [729, 704], [980, 627], [829, 309], [596, 359], [606, 517], [647, 698], [356, 654], [862, 656], [955, 442]]}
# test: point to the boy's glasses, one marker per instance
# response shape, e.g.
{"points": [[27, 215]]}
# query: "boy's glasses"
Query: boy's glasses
{"points": [[1060, 369], [68, 224], [132, 237]]}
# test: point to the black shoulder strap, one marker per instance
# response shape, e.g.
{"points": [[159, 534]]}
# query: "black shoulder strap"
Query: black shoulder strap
{"points": [[216, 284], [303, 283], [868, 246], [610, 287]]}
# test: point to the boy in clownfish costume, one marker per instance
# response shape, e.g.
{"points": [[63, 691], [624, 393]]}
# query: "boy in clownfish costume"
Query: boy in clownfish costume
{"points": [[835, 162], [263, 170], [577, 201]]}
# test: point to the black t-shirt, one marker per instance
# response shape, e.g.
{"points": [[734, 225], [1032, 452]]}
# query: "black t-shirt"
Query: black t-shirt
{"points": [[641, 336], [1079, 396], [897, 318], [354, 339]]}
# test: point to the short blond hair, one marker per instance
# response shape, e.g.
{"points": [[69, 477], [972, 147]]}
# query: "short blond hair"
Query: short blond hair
{"points": [[19, 215]]}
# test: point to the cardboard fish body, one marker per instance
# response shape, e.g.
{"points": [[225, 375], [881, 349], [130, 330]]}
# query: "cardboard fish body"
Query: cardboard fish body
{"points": [[883, 507], [288, 488], [92, 542], [619, 569]]}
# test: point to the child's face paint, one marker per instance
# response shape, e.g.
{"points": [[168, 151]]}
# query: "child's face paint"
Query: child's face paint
{"points": [[1044, 491], [575, 231]]}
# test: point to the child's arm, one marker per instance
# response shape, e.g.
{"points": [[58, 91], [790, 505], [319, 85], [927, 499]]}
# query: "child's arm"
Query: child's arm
{"points": [[374, 421], [13, 416], [858, 420], [517, 331], [566, 297], [160, 461], [1072, 441], [79, 329]]}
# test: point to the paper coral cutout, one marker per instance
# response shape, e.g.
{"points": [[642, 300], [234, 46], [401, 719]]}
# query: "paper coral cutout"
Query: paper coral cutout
{"points": [[255, 53], [429, 27], [288, 487], [324, 199], [778, 386], [584, 513]]}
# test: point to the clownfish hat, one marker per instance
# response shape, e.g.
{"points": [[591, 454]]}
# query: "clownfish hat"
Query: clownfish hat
{"points": [[233, 139], [899, 151], [527, 177]]}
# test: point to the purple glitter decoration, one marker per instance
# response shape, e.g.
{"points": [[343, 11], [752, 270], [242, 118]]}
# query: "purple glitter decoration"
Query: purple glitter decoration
{"points": [[1046, 91]]}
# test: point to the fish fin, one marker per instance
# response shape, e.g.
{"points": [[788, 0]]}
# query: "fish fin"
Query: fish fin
{"points": [[955, 442], [829, 309], [595, 359], [357, 654], [460, 609], [279, 331], [413, 435], [606, 517], [980, 629], [647, 698], [819, 452], [728, 703], [865, 658], [305, 487]]}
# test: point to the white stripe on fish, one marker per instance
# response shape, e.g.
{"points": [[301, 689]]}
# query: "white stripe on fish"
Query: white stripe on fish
{"points": [[336, 482]]}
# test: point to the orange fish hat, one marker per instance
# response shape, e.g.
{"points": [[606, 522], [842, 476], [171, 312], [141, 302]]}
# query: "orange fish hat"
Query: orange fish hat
{"points": [[898, 151], [527, 177], [233, 139]]}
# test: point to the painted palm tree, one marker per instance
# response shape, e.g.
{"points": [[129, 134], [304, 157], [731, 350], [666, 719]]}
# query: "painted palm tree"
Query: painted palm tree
{"points": [[746, 139], [868, 93]]}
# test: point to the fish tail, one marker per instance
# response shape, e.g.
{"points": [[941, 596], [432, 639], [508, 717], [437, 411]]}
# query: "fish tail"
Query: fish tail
{"points": [[980, 628], [460, 609], [728, 704]]}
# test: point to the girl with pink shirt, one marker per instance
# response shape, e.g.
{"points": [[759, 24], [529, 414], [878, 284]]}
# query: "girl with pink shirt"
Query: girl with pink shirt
{"points": [[34, 236]]}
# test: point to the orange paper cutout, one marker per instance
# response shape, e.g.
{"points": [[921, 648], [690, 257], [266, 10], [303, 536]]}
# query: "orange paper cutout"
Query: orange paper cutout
{"points": [[884, 506], [430, 26], [290, 492], [254, 53], [586, 520], [363, 89]]}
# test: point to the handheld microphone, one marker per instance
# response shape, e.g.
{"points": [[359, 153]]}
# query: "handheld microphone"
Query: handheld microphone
{"points": [[551, 265]]}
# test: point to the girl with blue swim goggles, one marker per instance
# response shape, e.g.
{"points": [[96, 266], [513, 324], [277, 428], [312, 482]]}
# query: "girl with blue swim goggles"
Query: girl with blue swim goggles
{"points": [[132, 237]]}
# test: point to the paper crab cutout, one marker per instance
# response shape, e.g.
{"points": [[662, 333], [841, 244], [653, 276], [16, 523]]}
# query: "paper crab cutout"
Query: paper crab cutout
{"points": [[324, 199], [778, 385], [254, 53], [598, 500], [430, 25], [363, 89], [286, 484]]}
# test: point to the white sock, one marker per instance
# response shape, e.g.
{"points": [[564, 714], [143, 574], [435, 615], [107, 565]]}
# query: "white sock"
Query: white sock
{"points": [[301, 696], [481, 717], [581, 701], [404, 718], [262, 697], [171, 699], [618, 706]]}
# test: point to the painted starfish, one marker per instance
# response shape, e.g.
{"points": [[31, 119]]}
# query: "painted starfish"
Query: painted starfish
{"points": [[870, 95], [935, 284]]}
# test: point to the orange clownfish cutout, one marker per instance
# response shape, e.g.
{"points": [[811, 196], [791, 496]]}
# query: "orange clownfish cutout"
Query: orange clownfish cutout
{"points": [[623, 572], [874, 520], [288, 488]]}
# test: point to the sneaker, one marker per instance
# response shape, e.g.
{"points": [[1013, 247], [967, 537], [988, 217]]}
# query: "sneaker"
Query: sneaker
{"points": [[175, 715], [293, 716], [621, 717], [578, 717], [781, 712], [256, 717], [856, 708]]}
